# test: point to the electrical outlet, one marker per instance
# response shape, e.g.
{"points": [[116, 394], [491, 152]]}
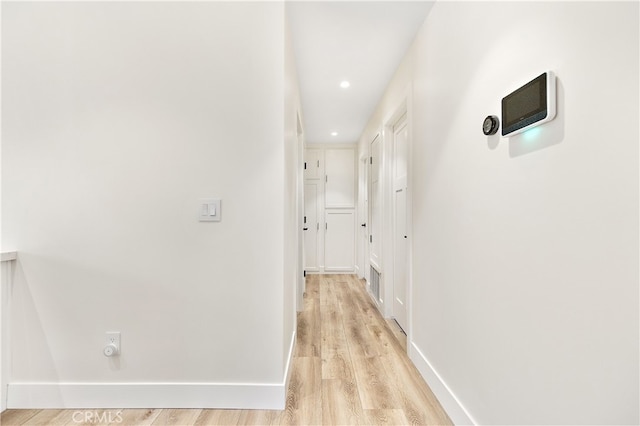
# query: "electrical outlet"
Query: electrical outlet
{"points": [[113, 343]]}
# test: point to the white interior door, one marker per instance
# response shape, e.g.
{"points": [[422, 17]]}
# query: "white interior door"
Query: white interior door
{"points": [[339, 240], [363, 211], [313, 164], [375, 204], [339, 189], [400, 238], [300, 282], [311, 227]]}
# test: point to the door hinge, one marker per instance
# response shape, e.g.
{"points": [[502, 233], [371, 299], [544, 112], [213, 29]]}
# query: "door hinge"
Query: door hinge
{"points": [[326, 178], [370, 160], [326, 226], [305, 165], [370, 238], [318, 164], [305, 219]]}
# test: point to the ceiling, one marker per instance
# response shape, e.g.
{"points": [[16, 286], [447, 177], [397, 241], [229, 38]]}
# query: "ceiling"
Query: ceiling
{"points": [[361, 42]]}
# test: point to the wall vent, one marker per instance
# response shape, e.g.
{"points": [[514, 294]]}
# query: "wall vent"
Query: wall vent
{"points": [[374, 278]]}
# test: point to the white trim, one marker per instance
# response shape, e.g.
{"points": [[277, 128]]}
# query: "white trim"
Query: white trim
{"points": [[451, 404], [339, 207], [287, 367], [339, 270], [146, 395], [312, 145], [7, 256], [6, 279]]}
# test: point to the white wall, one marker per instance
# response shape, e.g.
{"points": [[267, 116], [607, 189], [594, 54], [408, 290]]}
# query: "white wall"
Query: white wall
{"points": [[525, 249], [293, 171], [117, 119], [3, 283]]}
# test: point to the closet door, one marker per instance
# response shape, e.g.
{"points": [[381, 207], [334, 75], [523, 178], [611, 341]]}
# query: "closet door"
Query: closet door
{"points": [[339, 242], [340, 180], [313, 164]]}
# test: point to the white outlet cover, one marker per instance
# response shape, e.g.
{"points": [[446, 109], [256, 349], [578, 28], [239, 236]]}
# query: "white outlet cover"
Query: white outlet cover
{"points": [[209, 210], [113, 338]]}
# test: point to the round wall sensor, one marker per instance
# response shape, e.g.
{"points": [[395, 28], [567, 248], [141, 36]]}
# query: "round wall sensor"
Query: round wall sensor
{"points": [[490, 125]]}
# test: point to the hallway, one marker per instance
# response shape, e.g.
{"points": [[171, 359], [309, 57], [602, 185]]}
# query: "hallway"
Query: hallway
{"points": [[170, 171], [348, 369]]}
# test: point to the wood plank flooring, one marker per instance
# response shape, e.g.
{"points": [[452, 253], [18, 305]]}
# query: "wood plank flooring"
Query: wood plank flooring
{"points": [[350, 368]]}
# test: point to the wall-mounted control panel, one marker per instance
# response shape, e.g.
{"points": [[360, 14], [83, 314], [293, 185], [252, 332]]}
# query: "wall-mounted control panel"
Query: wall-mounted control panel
{"points": [[530, 105], [209, 210]]}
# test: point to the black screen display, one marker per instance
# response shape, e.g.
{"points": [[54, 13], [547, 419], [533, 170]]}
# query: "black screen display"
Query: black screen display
{"points": [[525, 106]]}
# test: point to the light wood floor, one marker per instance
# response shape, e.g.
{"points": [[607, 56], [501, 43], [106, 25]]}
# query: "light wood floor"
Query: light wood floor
{"points": [[350, 368]]}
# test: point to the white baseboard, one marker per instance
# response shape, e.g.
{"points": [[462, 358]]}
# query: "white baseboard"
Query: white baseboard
{"points": [[153, 395], [146, 395], [454, 408], [287, 369]]}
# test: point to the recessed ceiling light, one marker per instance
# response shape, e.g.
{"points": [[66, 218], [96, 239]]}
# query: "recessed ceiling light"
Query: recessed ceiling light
{"points": [[334, 133], [345, 84]]}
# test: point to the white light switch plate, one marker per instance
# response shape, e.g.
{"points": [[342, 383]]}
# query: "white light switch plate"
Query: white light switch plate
{"points": [[209, 210]]}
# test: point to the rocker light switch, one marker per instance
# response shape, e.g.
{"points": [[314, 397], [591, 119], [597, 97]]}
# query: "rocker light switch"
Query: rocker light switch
{"points": [[209, 210]]}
